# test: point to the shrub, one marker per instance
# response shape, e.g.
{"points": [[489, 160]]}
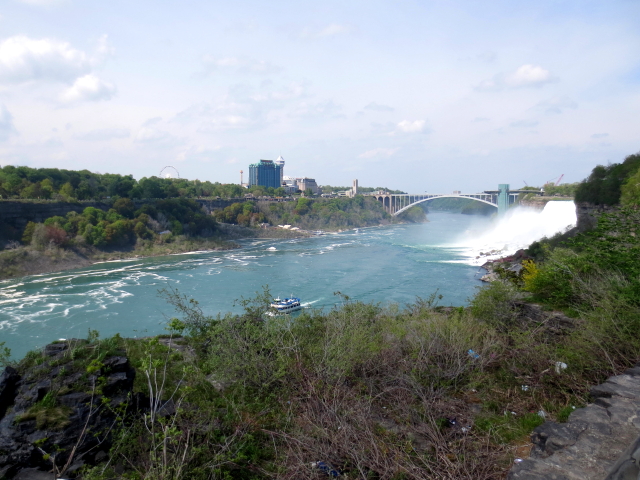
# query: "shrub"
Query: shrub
{"points": [[494, 304]]}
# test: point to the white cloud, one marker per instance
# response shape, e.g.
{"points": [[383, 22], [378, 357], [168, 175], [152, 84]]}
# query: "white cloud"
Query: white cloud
{"points": [[89, 88], [408, 126], [558, 104], [599, 135], [197, 153], [42, 3], [379, 108], [104, 134], [23, 60], [525, 76], [240, 65], [333, 29], [150, 135], [6, 123], [378, 152], [326, 109], [524, 123], [328, 31]]}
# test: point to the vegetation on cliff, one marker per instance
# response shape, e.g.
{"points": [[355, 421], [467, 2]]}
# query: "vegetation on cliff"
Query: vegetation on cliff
{"points": [[604, 184], [314, 214]]}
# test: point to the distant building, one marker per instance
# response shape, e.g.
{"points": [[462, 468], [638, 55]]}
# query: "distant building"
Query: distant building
{"points": [[280, 163], [265, 173], [354, 189], [289, 184], [308, 183]]}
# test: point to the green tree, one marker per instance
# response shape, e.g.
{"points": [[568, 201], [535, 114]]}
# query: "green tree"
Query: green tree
{"points": [[631, 190], [27, 235], [67, 190]]}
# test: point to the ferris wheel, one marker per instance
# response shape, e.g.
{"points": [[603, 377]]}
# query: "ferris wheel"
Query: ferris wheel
{"points": [[169, 172]]}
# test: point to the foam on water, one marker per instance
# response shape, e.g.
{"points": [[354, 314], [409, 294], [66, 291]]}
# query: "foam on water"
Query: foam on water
{"points": [[520, 227]]}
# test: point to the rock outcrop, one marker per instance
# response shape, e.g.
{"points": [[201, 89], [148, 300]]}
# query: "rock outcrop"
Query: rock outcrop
{"points": [[57, 415], [599, 441]]}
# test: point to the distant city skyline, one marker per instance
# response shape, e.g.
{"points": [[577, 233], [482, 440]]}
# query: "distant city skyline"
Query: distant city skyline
{"points": [[417, 95]]}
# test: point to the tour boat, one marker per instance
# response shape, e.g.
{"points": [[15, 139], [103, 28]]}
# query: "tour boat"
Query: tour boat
{"points": [[287, 305]]}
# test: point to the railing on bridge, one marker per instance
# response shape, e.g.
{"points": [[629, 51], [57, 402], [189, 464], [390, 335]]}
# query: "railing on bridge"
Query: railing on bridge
{"points": [[502, 198]]}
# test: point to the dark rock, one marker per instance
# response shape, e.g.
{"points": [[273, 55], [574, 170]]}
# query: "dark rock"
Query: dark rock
{"points": [[8, 381], [118, 381], [33, 474], [74, 400], [80, 409], [116, 364], [167, 409], [55, 348], [42, 388]]}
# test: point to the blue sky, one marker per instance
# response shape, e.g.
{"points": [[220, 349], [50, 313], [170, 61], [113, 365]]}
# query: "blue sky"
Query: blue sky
{"points": [[417, 95]]}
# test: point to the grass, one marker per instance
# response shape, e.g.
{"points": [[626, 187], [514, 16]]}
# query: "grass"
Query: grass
{"points": [[47, 414]]}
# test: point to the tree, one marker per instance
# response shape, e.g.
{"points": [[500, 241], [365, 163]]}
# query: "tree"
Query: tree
{"points": [[631, 190], [67, 190]]}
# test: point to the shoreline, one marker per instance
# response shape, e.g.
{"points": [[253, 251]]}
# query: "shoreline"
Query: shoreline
{"points": [[26, 261]]}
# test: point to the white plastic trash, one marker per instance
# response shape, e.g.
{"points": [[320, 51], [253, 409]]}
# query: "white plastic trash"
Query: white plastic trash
{"points": [[560, 366]]}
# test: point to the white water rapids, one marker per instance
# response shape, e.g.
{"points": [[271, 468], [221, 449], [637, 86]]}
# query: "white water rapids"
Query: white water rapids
{"points": [[517, 229]]}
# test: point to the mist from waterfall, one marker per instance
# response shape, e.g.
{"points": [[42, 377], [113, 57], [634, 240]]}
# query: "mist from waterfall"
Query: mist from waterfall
{"points": [[517, 229]]}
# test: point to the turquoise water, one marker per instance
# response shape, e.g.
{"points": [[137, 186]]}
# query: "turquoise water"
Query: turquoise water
{"points": [[387, 264]]}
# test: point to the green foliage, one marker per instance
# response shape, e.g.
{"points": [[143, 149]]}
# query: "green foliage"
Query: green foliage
{"points": [[121, 226], [27, 234], [321, 213], [506, 428], [604, 185], [333, 189], [563, 190], [494, 304], [240, 214], [465, 206], [58, 184], [47, 414], [630, 191], [414, 214], [5, 355]]}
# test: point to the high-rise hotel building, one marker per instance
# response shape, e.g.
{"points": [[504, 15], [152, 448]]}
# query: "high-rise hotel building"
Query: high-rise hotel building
{"points": [[265, 173]]}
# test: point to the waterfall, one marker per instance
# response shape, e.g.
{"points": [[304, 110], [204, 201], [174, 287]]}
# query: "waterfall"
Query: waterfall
{"points": [[517, 229]]}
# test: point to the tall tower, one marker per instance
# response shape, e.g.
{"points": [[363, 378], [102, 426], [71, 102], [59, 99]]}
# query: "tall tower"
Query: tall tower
{"points": [[280, 163], [503, 198], [241, 172]]}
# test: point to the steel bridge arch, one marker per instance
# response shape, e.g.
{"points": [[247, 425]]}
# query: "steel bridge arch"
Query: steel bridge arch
{"points": [[441, 196]]}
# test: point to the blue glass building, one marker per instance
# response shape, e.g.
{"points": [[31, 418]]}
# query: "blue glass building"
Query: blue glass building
{"points": [[265, 173]]}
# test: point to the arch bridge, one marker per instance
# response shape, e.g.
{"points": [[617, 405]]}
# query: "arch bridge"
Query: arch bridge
{"points": [[502, 198]]}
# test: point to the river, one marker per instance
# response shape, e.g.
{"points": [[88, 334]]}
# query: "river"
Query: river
{"points": [[392, 264]]}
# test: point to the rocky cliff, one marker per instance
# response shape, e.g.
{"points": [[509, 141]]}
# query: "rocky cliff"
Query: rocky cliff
{"points": [[57, 414]]}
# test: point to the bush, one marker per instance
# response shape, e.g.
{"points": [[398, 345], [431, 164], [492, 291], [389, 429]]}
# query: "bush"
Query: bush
{"points": [[494, 304]]}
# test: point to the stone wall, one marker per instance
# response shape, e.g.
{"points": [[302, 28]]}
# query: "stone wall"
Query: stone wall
{"points": [[588, 214], [597, 442]]}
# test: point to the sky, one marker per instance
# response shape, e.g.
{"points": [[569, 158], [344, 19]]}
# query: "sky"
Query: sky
{"points": [[425, 95]]}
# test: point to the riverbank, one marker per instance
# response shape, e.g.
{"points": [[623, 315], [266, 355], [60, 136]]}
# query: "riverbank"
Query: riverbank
{"points": [[28, 260]]}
